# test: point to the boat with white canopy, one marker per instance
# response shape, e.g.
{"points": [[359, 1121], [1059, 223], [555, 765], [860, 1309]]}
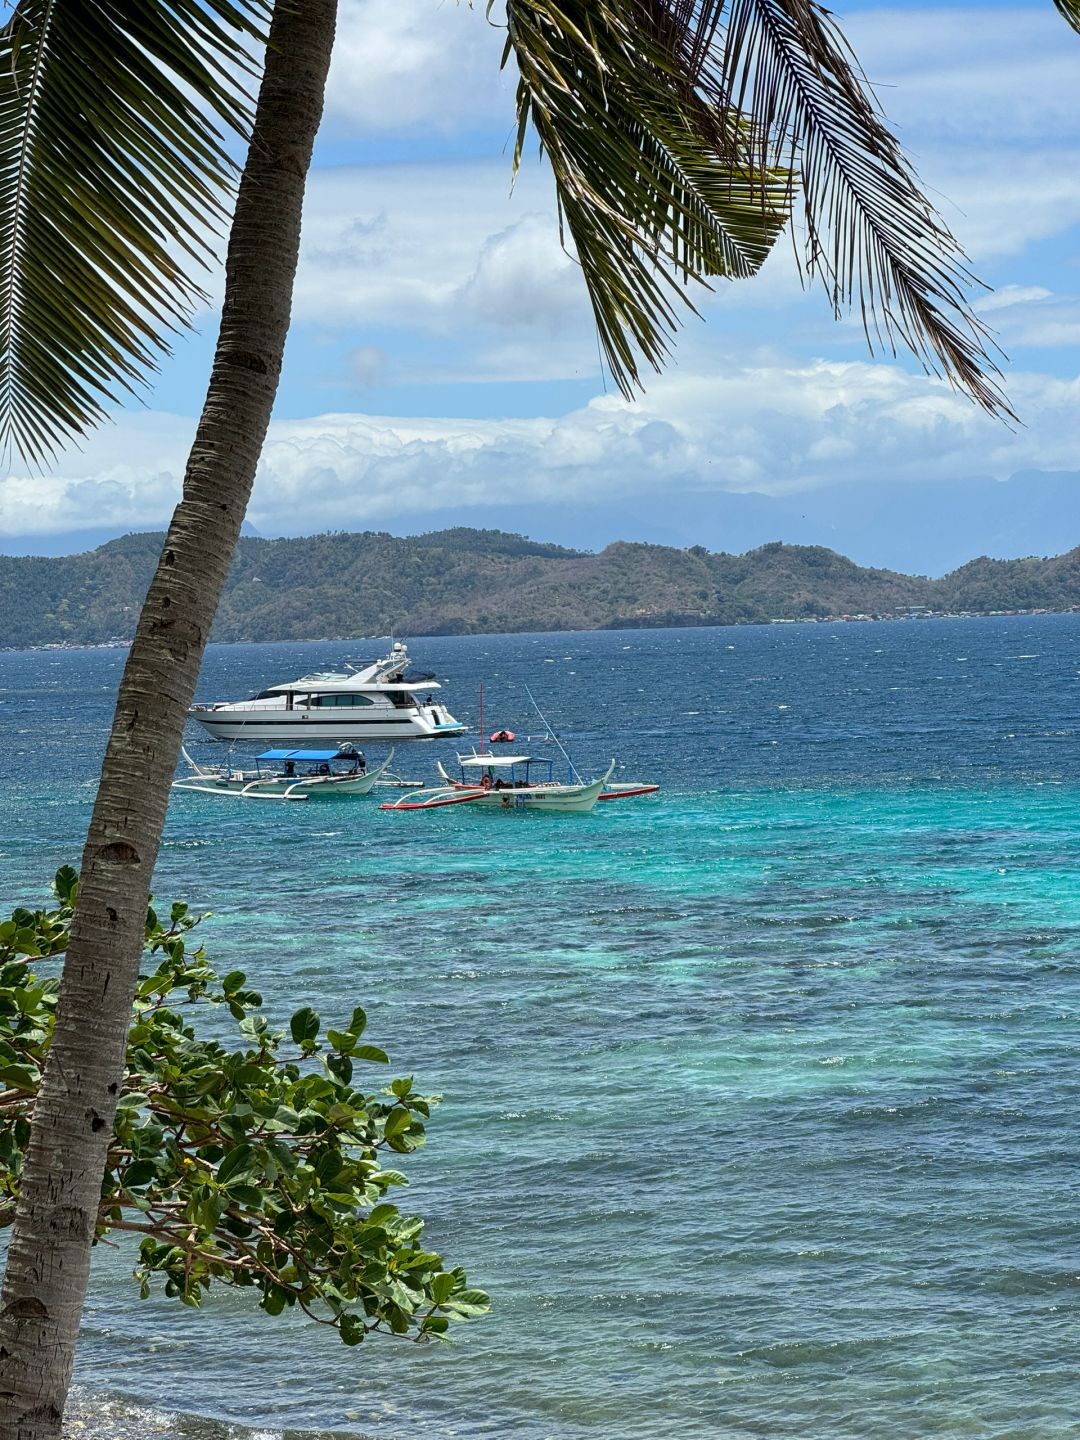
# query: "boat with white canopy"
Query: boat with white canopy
{"points": [[289, 775], [385, 700], [489, 765], [507, 782]]}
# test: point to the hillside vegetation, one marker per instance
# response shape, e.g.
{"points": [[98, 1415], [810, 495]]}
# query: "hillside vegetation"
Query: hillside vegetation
{"points": [[464, 581]]}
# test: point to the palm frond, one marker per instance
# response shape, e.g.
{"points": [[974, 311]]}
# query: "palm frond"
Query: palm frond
{"points": [[673, 128], [1071, 11], [113, 178], [872, 235], [656, 181]]}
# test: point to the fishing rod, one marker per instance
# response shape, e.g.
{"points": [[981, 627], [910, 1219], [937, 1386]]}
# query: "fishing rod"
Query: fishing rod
{"points": [[551, 731]]}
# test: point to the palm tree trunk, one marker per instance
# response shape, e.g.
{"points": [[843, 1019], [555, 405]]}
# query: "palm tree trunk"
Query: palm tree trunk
{"points": [[49, 1255]]}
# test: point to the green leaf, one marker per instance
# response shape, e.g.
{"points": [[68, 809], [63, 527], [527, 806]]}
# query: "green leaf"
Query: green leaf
{"points": [[442, 1287], [340, 1066], [351, 1328], [371, 1052], [275, 1300], [304, 1026], [247, 1195], [469, 1302], [66, 884], [657, 180], [873, 238], [236, 1162], [139, 1174], [397, 1122], [20, 1077]]}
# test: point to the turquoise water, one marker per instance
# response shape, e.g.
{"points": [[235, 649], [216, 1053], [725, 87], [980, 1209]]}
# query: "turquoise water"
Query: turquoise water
{"points": [[760, 1096]]}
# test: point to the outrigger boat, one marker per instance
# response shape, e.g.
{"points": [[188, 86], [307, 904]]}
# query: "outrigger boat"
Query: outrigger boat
{"points": [[289, 775], [506, 782], [613, 789]]}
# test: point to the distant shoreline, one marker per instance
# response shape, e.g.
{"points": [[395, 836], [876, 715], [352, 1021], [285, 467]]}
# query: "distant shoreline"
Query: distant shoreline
{"points": [[667, 624]]}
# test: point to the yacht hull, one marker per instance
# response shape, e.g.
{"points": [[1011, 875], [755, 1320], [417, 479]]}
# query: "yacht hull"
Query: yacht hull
{"points": [[293, 727]]}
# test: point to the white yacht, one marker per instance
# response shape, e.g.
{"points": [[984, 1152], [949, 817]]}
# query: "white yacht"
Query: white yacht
{"points": [[381, 701]]}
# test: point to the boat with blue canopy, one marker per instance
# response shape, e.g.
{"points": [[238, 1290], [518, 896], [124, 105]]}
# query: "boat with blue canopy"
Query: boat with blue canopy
{"points": [[289, 774]]}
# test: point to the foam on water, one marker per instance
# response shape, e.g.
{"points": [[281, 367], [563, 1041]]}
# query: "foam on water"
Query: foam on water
{"points": [[759, 1096]]}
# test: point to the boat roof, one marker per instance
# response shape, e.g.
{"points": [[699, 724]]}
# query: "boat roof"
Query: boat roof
{"points": [[329, 683], [306, 755], [494, 762]]}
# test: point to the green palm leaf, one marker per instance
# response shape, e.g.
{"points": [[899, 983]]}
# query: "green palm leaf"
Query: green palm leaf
{"points": [[678, 131], [656, 181], [1071, 10], [872, 235], [113, 180]]}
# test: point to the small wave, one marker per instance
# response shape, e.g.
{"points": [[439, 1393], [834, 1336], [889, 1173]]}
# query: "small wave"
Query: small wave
{"points": [[103, 1417]]}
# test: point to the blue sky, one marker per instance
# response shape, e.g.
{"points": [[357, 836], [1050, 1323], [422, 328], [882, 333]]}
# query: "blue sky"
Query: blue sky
{"points": [[443, 367]]}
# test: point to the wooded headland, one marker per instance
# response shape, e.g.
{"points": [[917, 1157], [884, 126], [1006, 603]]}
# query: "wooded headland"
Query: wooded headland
{"points": [[464, 581]]}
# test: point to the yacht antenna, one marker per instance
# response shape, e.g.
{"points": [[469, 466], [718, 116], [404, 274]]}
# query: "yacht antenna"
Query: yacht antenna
{"points": [[551, 731]]}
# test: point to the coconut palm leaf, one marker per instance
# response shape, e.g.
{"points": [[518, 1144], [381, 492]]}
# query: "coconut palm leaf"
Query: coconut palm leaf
{"points": [[628, 96], [656, 181], [113, 181], [872, 235], [1071, 10]]}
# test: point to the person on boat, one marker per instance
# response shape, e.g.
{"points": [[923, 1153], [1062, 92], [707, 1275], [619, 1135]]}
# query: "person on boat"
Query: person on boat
{"points": [[290, 769]]}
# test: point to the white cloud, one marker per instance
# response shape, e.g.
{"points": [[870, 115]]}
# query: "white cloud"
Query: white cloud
{"points": [[764, 425], [429, 247], [524, 279], [400, 66], [127, 474], [1031, 315]]}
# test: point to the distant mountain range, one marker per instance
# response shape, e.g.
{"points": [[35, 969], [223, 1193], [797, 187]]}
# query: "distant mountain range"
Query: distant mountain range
{"points": [[462, 581]]}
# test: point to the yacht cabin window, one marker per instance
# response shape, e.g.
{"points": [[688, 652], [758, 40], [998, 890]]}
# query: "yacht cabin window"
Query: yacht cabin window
{"points": [[339, 701]]}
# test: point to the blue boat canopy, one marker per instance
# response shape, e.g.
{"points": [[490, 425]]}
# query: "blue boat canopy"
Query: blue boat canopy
{"points": [[307, 755]]}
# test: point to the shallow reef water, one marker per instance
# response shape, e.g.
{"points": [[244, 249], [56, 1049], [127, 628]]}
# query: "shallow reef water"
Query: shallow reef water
{"points": [[759, 1095]]}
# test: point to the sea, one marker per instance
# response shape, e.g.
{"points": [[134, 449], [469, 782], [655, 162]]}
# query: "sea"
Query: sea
{"points": [[760, 1095]]}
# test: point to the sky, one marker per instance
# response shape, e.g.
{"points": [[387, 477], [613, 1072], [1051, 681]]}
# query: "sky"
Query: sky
{"points": [[443, 366]]}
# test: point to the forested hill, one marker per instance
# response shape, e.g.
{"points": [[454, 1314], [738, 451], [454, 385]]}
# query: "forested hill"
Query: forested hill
{"points": [[463, 581]]}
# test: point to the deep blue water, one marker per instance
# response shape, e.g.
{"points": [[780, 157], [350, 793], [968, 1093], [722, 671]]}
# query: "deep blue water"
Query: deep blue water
{"points": [[760, 1096]]}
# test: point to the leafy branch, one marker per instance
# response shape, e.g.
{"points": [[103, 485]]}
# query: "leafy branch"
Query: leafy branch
{"points": [[244, 1167]]}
